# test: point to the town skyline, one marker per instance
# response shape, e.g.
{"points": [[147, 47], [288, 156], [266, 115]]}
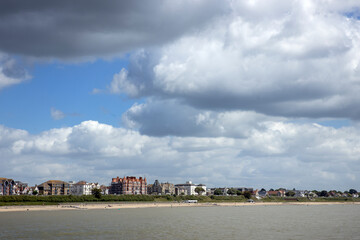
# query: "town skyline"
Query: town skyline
{"points": [[220, 92], [270, 188]]}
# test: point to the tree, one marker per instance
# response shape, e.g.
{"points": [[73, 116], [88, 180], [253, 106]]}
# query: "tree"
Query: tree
{"points": [[352, 191], [247, 194], [290, 194], [35, 192], [218, 191], [323, 193], [96, 192], [271, 189], [231, 191], [199, 190], [238, 192], [315, 192]]}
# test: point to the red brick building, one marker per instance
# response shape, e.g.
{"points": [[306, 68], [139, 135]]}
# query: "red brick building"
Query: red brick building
{"points": [[128, 185]]}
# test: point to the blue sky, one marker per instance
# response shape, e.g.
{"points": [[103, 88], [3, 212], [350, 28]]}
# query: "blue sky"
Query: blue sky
{"points": [[68, 88], [237, 93]]}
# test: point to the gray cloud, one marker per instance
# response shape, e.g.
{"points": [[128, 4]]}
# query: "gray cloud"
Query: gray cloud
{"points": [[301, 59], [163, 118], [68, 29], [11, 72]]}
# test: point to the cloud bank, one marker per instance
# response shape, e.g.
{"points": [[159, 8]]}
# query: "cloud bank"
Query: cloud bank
{"points": [[307, 156], [288, 58], [89, 28]]}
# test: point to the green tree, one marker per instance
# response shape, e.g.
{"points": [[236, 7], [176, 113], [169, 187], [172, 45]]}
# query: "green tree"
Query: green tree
{"points": [[238, 192], [247, 194], [199, 190], [290, 194], [323, 193], [35, 192], [218, 191], [352, 191], [231, 191], [96, 192]]}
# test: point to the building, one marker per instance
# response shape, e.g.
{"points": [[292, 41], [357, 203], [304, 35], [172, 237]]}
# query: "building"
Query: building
{"points": [[33, 191], [259, 193], [20, 188], [217, 191], [54, 187], [104, 189], [299, 193], [128, 185], [168, 188], [188, 188], [279, 193], [203, 186], [154, 188], [181, 190], [7, 186], [161, 188], [83, 188]]}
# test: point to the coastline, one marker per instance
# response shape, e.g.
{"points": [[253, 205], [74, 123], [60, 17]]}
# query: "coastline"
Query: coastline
{"points": [[127, 205]]}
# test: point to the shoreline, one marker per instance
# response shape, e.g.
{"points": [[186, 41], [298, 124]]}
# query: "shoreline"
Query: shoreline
{"points": [[128, 205]]}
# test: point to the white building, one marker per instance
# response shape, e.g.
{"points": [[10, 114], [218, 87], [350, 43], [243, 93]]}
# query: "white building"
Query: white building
{"points": [[83, 188], [188, 188], [31, 190]]}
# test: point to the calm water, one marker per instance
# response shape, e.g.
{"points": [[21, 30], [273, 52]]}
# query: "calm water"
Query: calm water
{"points": [[249, 222]]}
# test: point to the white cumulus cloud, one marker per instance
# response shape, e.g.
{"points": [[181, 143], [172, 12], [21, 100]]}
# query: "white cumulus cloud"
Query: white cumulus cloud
{"points": [[284, 58], [304, 154]]}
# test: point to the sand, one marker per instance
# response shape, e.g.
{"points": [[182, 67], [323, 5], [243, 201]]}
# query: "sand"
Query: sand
{"points": [[107, 206]]}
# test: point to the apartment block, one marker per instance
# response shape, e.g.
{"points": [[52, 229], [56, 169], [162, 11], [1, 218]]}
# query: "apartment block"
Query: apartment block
{"points": [[54, 187], [128, 185]]}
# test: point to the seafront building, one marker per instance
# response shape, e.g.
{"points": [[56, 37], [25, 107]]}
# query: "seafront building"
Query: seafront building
{"points": [[20, 188], [132, 186], [188, 188], [128, 185], [104, 189], [6, 186], [83, 188], [278, 193], [54, 187], [161, 188], [33, 191]]}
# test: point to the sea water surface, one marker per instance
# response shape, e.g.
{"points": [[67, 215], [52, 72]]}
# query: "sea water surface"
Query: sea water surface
{"points": [[240, 222]]}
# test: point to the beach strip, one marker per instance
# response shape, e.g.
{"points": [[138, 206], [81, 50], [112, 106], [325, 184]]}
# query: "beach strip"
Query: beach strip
{"points": [[108, 206]]}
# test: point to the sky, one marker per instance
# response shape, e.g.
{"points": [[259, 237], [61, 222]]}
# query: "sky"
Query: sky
{"points": [[228, 93]]}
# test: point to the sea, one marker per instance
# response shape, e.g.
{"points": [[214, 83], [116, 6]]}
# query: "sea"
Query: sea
{"points": [[236, 222]]}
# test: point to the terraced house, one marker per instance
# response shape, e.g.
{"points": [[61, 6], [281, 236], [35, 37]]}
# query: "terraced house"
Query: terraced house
{"points": [[54, 187], [6, 186]]}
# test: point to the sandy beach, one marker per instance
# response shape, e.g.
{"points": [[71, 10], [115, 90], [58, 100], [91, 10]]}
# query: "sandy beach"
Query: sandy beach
{"points": [[108, 206]]}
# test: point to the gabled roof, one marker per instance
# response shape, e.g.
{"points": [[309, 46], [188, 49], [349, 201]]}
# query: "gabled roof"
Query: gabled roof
{"points": [[53, 182], [81, 183], [6, 179]]}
